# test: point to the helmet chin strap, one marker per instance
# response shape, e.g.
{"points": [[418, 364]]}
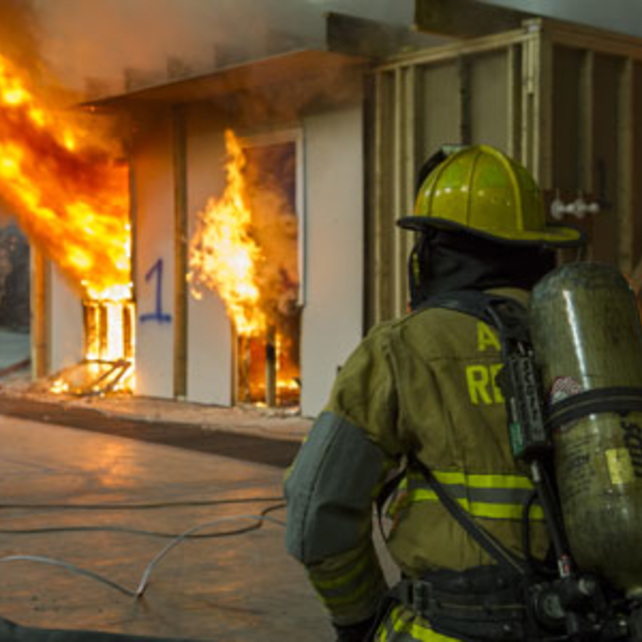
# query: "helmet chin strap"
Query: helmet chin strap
{"points": [[414, 280]]}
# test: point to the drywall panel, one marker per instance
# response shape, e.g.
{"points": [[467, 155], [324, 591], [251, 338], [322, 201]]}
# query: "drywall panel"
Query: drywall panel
{"points": [[379, 228], [66, 330], [332, 321], [209, 342], [489, 99], [154, 238]]}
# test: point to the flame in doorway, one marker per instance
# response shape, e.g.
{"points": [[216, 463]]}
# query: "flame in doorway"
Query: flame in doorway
{"points": [[108, 364], [67, 187], [245, 248], [223, 254]]}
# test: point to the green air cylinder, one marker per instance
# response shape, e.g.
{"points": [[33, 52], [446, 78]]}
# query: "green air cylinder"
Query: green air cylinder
{"points": [[586, 334]]}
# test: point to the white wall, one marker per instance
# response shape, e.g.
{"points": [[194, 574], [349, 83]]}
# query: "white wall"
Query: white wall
{"points": [[209, 357], [66, 328], [154, 238], [333, 314], [332, 322]]}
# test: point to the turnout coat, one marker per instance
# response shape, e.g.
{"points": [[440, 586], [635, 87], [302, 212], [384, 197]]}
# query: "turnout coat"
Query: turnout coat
{"points": [[424, 385]]}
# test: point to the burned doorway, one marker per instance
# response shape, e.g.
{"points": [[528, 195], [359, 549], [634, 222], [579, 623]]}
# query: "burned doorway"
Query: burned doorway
{"points": [[248, 248], [267, 365], [106, 337]]}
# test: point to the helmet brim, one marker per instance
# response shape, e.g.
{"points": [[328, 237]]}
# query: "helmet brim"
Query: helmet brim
{"points": [[553, 235]]}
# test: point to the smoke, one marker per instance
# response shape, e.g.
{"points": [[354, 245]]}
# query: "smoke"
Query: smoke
{"points": [[395, 11], [624, 16], [5, 214], [95, 42], [89, 44]]}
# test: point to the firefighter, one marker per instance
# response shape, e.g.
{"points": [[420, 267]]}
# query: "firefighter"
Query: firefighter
{"points": [[422, 392]]}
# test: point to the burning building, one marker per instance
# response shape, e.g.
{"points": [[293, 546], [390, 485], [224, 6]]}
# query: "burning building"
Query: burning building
{"points": [[253, 208], [246, 231]]}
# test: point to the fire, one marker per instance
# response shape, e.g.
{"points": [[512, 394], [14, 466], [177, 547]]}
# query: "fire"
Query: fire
{"points": [[69, 191], [245, 248], [223, 255]]}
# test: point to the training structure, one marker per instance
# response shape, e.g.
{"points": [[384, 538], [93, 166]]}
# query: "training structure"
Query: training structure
{"points": [[349, 126]]}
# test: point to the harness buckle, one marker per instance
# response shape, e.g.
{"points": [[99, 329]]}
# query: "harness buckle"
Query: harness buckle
{"points": [[421, 598]]}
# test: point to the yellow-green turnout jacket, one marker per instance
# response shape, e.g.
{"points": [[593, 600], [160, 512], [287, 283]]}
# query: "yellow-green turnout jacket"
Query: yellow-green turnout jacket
{"points": [[423, 386]]}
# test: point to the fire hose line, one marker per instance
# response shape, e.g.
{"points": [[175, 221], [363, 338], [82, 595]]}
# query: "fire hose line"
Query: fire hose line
{"points": [[145, 506], [133, 531], [262, 517]]}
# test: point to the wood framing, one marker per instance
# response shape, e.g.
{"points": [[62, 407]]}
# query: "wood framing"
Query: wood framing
{"points": [[133, 218], [514, 82], [465, 100], [399, 188], [586, 118], [570, 96], [625, 160], [383, 200], [412, 162], [180, 250], [39, 314], [446, 53]]}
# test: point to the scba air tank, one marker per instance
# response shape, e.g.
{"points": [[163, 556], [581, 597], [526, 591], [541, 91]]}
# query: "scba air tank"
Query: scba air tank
{"points": [[587, 338]]}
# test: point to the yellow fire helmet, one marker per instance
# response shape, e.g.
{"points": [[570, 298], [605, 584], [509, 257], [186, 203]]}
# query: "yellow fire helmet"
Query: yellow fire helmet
{"points": [[482, 191]]}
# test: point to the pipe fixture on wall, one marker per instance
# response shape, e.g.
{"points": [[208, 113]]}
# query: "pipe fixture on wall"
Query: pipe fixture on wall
{"points": [[579, 207]]}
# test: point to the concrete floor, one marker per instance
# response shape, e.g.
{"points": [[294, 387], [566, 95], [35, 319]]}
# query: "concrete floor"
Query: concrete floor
{"points": [[243, 587]]}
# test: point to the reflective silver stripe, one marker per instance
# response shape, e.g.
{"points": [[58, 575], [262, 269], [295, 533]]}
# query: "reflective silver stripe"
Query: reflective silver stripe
{"points": [[339, 587], [350, 589], [486, 494], [478, 497]]}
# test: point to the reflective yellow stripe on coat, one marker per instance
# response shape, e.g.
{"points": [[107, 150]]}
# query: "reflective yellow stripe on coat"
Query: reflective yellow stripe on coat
{"points": [[487, 496], [350, 583], [401, 625]]}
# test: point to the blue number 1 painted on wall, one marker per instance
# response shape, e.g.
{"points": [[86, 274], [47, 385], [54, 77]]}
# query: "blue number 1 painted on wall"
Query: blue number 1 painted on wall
{"points": [[158, 315]]}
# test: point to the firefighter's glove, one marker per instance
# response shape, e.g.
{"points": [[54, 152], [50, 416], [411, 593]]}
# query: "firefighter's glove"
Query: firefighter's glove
{"points": [[360, 632]]}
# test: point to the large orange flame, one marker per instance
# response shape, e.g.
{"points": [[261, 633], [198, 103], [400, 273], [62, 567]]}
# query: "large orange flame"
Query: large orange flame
{"points": [[223, 255], [69, 191]]}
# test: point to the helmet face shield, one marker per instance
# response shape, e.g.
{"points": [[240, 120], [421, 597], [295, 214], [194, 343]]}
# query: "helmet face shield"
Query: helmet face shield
{"points": [[482, 191]]}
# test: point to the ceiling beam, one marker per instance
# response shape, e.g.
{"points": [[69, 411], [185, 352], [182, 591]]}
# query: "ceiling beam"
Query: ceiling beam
{"points": [[372, 39], [465, 18]]}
